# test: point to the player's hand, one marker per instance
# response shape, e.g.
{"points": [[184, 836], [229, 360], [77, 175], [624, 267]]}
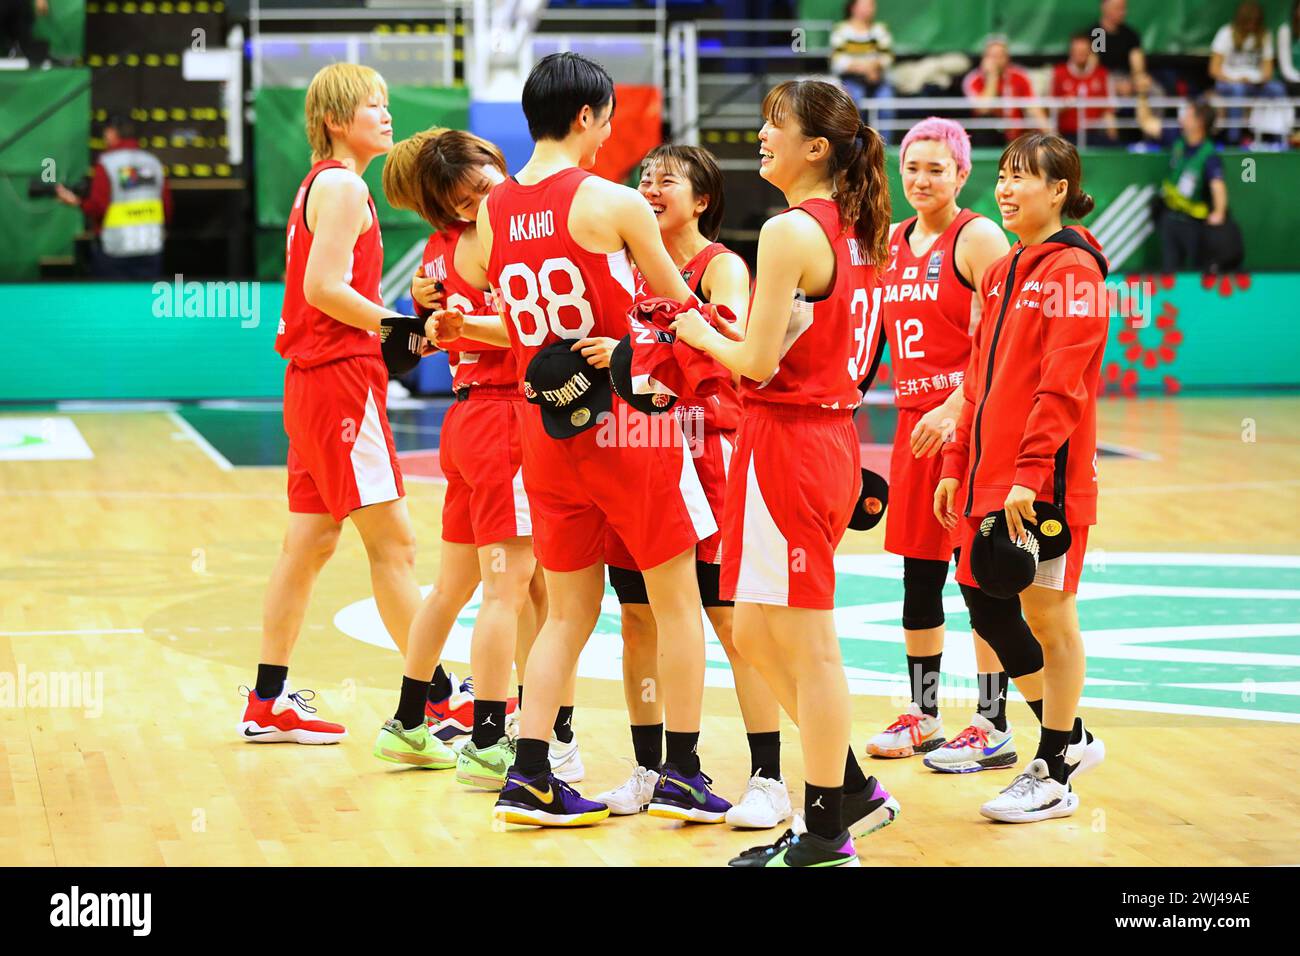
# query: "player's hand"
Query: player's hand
{"points": [[596, 350], [1019, 507], [691, 327], [1216, 218], [945, 502], [729, 329], [931, 432], [65, 195], [444, 325], [427, 293]]}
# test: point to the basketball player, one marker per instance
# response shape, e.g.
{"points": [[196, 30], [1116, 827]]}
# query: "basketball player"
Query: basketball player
{"points": [[813, 337], [342, 462], [684, 188], [444, 175], [557, 241], [937, 259], [1033, 437]]}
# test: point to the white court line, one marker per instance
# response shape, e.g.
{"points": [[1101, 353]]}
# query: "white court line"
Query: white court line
{"points": [[147, 495], [87, 630], [1209, 486], [204, 446]]}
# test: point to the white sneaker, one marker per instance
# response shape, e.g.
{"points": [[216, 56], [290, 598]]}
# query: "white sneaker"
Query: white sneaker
{"points": [[566, 762], [765, 804], [1032, 796], [913, 732], [981, 746], [632, 797], [1081, 757], [512, 724]]}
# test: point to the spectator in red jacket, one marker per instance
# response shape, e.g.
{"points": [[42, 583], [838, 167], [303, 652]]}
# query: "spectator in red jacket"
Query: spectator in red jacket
{"points": [[1082, 77], [1031, 435], [995, 77], [128, 206]]}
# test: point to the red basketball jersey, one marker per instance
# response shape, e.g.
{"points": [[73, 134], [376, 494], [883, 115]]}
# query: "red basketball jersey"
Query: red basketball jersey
{"points": [[550, 287], [307, 336], [831, 342], [487, 366], [927, 316]]}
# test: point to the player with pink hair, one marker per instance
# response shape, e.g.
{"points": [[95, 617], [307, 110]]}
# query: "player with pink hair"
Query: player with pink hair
{"points": [[936, 260]]}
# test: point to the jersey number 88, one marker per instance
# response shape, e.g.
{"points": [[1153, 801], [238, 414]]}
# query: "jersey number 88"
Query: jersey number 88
{"points": [[526, 310]]}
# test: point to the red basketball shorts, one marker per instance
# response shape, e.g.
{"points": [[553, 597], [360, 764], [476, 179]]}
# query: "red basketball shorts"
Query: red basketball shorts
{"points": [[341, 452], [481, 454], [911, 529], [1058, 574], [632, 473], [794, 482]]}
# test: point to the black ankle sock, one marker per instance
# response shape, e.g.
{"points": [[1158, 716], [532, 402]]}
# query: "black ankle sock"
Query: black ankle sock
{"points": [[531, 757], [489, 722], [564, 725], [270, 680], [993, 698], [410, 707], [854, 779], [681, 752], [1078, 731], [1037, 707], [822, 810], [765, 754], [924, 673], [1051, 749], [440, 687], [519, 700], [648, 745]]}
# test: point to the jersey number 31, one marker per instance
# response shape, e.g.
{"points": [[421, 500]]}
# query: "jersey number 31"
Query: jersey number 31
{"points": [[864, 330]]}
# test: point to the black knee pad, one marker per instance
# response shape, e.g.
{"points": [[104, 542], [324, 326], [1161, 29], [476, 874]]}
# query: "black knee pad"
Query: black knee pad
{"points": [[999, 622], [709, 577], [628, 585], [923, 582]]}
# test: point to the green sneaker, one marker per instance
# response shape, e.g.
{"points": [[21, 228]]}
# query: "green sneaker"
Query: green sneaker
{"points": [[416, 748], [486, 768]]}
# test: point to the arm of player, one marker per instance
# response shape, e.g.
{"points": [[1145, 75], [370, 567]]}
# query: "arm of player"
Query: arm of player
{"points": [[781, 253], [639, 231], [726, 282], [342, 214]]}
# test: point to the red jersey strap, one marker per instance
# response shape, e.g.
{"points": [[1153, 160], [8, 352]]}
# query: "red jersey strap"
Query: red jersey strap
{"points": [[827, 214], [693, 271], [315, 171]]}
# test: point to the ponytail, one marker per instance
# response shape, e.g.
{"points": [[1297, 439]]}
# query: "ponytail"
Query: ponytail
{"points": [[862, 193]]}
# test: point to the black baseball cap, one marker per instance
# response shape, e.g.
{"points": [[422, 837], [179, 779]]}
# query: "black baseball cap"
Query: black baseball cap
{"points": [[620, 377], [875, 496], [1002, 567], [569, 391]]}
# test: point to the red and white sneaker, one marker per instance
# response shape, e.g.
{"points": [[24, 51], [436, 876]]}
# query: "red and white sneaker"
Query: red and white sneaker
{"points": [[286, 719], [914, 732], [453, 717]]}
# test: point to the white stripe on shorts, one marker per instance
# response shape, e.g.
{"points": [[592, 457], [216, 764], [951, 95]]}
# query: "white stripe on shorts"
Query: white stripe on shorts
{"points": [[764, 576], [523, 517], [688, 483], [1051, 574], [372, 468]]}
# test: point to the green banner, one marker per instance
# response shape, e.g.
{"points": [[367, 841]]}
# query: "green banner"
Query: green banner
{"points": [[283, 156], [200, 340], [1043, 26], [44, 130], [1123, 183]]}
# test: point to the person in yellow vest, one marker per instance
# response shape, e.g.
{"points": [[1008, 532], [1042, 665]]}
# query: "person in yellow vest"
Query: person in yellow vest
{"points": [[129, 205]]}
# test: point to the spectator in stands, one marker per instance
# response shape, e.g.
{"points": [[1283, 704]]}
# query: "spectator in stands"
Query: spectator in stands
{"points": [[861, 54], [1241, 62], [1194, 194], [128, 206], [997, 76], [17, 18], [1118, 47], [1082, 77], [1288, 50]]}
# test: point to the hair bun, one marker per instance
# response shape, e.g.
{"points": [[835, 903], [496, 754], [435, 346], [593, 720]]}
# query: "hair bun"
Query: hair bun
{"points": [[1080, 205]]}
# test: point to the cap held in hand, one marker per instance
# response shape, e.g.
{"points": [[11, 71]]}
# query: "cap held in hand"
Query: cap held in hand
{"points": [[871, 503], [1002, 567], [401, 339], [569, 391], [620, 377]]}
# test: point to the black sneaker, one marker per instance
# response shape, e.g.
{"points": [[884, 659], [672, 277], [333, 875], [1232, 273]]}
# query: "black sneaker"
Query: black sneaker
{"points": [[869, 809], [804, 849]]}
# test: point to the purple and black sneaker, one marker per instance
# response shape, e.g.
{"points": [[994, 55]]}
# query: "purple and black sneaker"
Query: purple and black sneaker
{"points": [[869, 809], [679, 797], [545, 801]]}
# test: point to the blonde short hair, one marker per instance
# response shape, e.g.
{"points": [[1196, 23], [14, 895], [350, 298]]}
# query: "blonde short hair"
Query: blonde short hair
{"points": [[335, 93]]}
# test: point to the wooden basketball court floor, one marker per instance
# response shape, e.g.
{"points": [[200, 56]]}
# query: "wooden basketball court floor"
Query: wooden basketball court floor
{"points": [[131, 581]]}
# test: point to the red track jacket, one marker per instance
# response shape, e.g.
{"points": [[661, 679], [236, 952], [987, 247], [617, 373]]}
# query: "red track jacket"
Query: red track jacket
{"points": [[1030, 416]]}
